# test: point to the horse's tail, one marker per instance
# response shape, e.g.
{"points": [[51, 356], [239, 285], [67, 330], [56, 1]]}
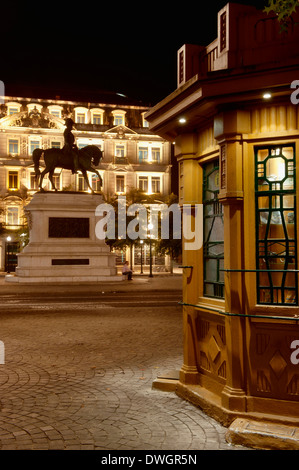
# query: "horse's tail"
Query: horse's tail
{"points": [[36, 154]]}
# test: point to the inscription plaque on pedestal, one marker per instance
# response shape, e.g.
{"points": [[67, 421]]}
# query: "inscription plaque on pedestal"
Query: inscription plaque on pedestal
{"points": [[68, 227], [70, 262]]}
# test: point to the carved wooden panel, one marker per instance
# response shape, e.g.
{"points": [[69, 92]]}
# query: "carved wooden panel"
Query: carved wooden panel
{"points": [[211, 346], [271, 373]]}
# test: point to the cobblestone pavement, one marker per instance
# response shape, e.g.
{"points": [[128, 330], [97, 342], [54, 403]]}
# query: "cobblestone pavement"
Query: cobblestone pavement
{"points": [[81, 378]]}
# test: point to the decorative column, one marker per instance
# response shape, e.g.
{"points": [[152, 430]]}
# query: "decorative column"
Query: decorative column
{"points": [[229, 127], [191, 179]]}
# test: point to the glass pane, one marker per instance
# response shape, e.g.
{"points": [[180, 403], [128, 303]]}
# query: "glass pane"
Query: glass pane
{"points": [[275, 219], [213, 232]]}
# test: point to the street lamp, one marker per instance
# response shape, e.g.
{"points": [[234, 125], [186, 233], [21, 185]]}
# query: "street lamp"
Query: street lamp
{"points": [[150, 226], [8, 247], [141, 246]]}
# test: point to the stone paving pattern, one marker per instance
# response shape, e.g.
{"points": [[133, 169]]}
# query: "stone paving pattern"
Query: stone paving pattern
{"points": [[81, 378]]}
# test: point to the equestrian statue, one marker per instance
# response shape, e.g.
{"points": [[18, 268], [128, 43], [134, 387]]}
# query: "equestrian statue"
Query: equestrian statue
{"points": [[69, 158]]}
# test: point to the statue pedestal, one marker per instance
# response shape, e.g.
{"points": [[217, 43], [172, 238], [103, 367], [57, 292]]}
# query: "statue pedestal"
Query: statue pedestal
{"points": [[63, 247]]}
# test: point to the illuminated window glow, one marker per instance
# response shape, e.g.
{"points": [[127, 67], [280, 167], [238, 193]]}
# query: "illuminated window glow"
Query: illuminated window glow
{"points": [[13, 180], [12, 217]]}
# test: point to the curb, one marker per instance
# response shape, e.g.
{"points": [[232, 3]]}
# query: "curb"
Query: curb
{"points": [[263, 435]]}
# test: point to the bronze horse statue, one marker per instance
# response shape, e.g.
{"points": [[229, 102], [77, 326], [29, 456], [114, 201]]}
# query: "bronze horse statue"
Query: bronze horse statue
{"points": [[89, 157]]}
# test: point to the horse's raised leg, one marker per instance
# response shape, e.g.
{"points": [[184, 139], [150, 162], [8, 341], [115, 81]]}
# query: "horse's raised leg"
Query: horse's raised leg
{"points": [[86, 180], [98, 175]]}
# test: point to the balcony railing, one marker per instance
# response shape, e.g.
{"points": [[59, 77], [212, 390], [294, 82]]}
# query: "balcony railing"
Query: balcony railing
{"points": [[120, 160]]}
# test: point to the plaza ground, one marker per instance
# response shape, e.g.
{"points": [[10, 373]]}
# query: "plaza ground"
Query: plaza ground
{"points": [[80, 362]]}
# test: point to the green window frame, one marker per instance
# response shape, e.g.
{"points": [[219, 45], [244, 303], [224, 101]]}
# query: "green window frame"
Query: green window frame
{"points": [[213, 236], [276, 225]]}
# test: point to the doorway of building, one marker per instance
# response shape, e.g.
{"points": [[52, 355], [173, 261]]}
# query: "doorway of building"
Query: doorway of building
{"points": [[11, 259]]}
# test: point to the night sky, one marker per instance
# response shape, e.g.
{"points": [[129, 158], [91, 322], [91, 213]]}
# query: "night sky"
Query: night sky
{"points": [[121, 47]]}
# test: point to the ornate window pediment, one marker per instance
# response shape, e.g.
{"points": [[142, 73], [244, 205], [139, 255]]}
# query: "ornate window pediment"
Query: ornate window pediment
{"points": [[33, 118], [120, 132]]}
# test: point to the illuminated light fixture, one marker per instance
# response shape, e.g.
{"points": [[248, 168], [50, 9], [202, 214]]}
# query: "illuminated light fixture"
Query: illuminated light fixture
{"points": [[267, 95], [182, 121]]}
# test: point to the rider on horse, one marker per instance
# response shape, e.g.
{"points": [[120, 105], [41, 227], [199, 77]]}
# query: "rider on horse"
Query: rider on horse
{"points": [[70, 148]]}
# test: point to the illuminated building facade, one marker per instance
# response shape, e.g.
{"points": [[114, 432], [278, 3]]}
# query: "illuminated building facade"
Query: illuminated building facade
{"points": [[134, 157], [235, 121]]}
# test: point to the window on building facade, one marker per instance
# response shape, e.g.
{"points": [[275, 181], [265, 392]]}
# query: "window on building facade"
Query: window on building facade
{"points": [[81, 115], [119, 150], [143, 154], [12, 110], [156, 188], [82, 185], [34, 144], [55, 145], [143, 183], [276, 240], [97, 118], [56, 180], [81, 145], [119, 119], [13, 147], [80, 118], [120, 183], [95, 183], [13, 180], [55, 112], [12, 216], [213, 246], [33, 181], [156, 153]]}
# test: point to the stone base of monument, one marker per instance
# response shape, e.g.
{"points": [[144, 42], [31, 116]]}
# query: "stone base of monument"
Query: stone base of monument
{"points": [[63, 246]]}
